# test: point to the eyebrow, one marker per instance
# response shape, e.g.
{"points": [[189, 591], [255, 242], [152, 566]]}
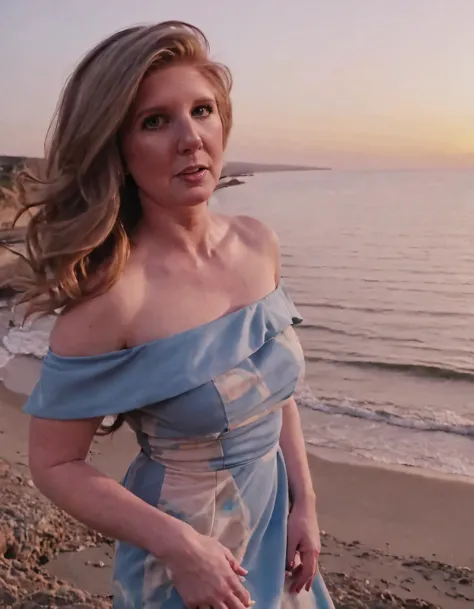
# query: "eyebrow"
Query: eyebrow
{"points": [[166, 109]]}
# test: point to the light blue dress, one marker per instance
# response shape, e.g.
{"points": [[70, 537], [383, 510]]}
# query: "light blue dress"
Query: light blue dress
{"points": [[206, 407]]}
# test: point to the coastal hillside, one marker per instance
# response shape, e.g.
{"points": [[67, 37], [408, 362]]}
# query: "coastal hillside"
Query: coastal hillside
{"points": [[8, 164]]}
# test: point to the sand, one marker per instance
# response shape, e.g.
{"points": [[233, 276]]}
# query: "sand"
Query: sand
{"points": [[404, 533]]}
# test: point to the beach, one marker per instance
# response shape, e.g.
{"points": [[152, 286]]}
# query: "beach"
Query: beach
{"points": [[388, 537], [394, 534]]}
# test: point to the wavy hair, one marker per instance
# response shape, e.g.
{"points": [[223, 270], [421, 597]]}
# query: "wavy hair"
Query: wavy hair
{"points": [[85, 208]]}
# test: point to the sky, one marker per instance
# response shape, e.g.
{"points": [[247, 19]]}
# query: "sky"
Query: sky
{"points": [[370, 84]]}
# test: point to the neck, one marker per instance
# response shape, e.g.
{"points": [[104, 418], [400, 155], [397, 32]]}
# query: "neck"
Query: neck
{"points": [[188, 229]]}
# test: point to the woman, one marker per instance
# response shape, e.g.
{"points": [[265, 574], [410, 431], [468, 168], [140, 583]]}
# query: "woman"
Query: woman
{"points": [[175, 320]]}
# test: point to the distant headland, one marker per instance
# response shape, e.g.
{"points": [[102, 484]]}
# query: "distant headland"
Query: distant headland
{"points": [[232, 169], [239, 168]]}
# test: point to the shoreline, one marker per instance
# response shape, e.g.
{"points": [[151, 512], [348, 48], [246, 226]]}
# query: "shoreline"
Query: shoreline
{"points": [[383, 508], [19, 377], [336, 455], [407, 535]]}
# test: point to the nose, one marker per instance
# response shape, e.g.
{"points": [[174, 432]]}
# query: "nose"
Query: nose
{"points": [[189, 139]]}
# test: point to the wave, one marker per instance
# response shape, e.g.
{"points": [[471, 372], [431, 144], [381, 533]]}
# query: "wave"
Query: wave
{"points": [[341, 307], [389, 282], [446, 421], [366, 269], [426, 370], [29, 340], [340, 332]]}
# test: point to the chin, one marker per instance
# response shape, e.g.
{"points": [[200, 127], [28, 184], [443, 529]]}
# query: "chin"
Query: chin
{"points": [[195, 196]]}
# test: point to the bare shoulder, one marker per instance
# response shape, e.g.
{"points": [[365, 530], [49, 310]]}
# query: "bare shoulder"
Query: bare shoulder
{"points": [[261, 239], [256, 233], [92, 327]]}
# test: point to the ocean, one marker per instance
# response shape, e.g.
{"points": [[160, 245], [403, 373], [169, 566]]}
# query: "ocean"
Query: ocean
{"points": [[381, 267]]}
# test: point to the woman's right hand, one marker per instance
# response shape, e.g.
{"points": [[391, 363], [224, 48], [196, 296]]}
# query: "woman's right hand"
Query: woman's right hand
{"points": [[206, 574]]}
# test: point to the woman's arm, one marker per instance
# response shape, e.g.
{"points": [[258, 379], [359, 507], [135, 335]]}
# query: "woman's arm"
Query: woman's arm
{"points": [[303, 541], [58, 449], [57, 453], [203, 571], [294, 451]]}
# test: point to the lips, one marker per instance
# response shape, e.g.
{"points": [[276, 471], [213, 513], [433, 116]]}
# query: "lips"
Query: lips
{"points": [[192, 169]]}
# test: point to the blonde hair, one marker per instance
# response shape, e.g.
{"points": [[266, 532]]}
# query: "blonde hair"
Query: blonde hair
{"points": [[78, 241]]}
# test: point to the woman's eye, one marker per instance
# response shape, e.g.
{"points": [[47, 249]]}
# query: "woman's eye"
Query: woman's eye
{"points": [[153, 122], [203, 111]]}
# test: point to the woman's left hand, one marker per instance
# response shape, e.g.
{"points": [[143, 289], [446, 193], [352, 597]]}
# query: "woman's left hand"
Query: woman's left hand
{"points": [[304, 543]]}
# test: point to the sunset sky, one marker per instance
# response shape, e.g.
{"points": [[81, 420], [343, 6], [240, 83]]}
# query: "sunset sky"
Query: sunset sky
{"points": [[344, 83]]}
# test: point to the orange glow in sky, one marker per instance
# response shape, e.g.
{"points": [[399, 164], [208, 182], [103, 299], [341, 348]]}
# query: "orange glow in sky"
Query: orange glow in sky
{"points": [[341, 83]]}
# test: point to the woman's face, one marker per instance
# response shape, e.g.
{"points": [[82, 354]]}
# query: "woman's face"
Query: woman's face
{"points": [[172, 144]]}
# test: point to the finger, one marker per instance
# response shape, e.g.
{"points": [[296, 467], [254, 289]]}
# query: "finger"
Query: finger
{"points": [[308, 565], [311, 579], [234, 563], [241, 594], [295, 575], [234, 603], [292, 546], [238, 569]]}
